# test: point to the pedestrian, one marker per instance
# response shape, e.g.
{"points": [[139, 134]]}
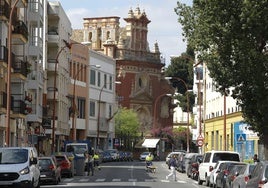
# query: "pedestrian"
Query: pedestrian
{"points": [[90, 165], [172, 164], [149, 160], [86, 164], [255, 158], [96, 158]]}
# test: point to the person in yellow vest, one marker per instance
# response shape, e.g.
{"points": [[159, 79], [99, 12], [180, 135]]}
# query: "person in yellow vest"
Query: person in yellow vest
{"points": [[149, 158], [96, 158]]}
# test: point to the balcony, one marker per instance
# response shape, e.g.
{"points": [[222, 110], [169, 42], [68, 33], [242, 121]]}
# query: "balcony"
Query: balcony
{"points": [[20, 32], [4, 10], [53, 36], [104, 126], [3, 56], [3, 102], [21, 68]]}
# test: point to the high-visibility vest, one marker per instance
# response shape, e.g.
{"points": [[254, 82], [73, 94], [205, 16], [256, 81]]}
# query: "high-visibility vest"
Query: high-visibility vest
{"points": [[96, 157], [149, 158]]}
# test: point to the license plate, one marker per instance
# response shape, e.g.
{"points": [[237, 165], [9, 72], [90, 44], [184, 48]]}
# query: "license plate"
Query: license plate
{"points": [[42, 176]]}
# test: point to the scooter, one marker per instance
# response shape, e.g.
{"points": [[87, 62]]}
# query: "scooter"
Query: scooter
{"points": [[195, 172], [150, 167]]}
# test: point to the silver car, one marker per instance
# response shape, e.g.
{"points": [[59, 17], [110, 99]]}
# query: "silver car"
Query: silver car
{"points": [[259, 176], [242, 178]]}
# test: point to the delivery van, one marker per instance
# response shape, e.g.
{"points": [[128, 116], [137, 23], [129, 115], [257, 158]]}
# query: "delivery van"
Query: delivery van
{"points": [[19, 167]]}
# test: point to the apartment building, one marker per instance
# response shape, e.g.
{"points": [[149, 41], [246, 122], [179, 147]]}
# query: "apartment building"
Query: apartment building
{"points": [[224, 128], [58, 56]]}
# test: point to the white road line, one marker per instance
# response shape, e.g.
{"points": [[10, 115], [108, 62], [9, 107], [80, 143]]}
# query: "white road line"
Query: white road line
{"points": [[116, 180], [132, 180], [100, 180], [83, 180]]}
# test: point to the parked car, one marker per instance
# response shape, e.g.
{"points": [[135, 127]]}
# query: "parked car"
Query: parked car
{"points": [[214, 172], [143, 155], [193, 162], [181, 163], [49, 169], [209, 160], [259, 176], [234, 172], [19, 167], [106, 157], [114, 153], [224, 172], [67, 167], [168, 157], [241, 180], [129, 156]]}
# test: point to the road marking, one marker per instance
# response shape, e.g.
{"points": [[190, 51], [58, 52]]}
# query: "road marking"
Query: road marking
{"points": [[83, 180], [116, 180], [132, 180], [100, 180], [149, 180]]}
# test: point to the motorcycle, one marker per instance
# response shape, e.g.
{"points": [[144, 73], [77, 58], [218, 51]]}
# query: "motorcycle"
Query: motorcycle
{"points": [[195, 172]]}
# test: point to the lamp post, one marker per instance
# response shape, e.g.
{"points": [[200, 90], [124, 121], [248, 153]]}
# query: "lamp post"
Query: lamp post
{"points": [[74, 96], [155, 105], [98, 120], [188, 103], [9, 73]]}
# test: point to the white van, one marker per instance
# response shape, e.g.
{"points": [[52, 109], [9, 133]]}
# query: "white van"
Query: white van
{"points": [[19, 167], [209, 161]]}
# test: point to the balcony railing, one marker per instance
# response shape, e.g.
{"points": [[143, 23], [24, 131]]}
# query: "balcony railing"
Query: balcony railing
{"points": [[3, 99], [20, 107], [20, 28], [21, 67]]}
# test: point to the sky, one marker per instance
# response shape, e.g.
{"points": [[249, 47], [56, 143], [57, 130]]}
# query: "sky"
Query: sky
{"points": [[163, 28]]}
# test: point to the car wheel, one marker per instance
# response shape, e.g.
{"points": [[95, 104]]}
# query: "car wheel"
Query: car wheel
{"points": [[200, 182], [207, 182]]}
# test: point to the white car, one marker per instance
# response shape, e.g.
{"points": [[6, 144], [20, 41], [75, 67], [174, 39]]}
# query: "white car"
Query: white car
{"points": [[143, 155], [170, 155], [209, 161]]}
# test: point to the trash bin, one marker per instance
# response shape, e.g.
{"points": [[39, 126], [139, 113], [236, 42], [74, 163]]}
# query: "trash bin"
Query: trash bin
{"points": [[80, 166]]}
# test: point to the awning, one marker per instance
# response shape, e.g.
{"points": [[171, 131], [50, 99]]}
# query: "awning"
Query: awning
{"points": [[150, 143]]}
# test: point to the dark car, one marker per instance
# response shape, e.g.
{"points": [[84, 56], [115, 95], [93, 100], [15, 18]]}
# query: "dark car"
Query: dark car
{"points": [[129, 156], [67, 167], [259, 176], [224, 171], [50, 171], [193, 164], [106, 157], [241, 180]]}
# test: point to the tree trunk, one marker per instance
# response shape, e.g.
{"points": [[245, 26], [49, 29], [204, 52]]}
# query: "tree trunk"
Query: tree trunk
{"points": [[263, 148]]}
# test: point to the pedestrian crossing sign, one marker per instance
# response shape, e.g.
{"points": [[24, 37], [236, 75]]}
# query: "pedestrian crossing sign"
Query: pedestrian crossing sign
{"points": [[241, 137]]}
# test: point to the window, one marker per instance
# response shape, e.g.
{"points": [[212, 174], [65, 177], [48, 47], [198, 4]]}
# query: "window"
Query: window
{"points": [[110, 83], [81, 108], [110, 111], [105, 81], [92, 77], [99, 79], [92, 109]]}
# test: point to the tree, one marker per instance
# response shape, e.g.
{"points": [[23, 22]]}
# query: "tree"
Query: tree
{"points": [[182, 67], [231, 37], [126, 124]]}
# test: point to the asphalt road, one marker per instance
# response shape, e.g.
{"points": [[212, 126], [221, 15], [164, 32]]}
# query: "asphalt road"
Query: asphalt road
{"points": [[128, 175]]}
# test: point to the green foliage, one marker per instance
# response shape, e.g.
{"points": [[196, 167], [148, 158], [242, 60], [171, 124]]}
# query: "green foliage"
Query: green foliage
{"points": [[231, 38], [182, 67], [126, 122]]}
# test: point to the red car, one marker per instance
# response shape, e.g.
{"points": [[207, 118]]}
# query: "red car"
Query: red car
{"points": [[67, 168]]}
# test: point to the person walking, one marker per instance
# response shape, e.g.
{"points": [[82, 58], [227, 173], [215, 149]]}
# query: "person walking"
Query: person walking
{"points": [[96, 158], [255, 158], [172, 164], [90, 165]]}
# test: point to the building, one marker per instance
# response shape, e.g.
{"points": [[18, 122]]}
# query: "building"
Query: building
{"points": [[143, 87], [58, 56], [224, 128]]}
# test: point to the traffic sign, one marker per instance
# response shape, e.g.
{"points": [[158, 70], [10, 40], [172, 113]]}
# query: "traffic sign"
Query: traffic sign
{"points": [[200, 142]]}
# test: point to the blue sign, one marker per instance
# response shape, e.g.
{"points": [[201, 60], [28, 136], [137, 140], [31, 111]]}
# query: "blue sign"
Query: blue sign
{"points": [[241, 137]]}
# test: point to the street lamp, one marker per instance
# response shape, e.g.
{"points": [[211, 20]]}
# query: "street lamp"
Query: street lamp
{"points": [[155, 105], [74, 96], [9, 73], [69, 46], [187, 97], [99, 101]]}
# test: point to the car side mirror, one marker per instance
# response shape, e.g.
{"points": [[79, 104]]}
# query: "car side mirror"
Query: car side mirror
{"points": [[33, 161]]}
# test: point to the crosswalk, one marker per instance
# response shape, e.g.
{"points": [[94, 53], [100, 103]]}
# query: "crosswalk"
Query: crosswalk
{"points": [[83, 180]]}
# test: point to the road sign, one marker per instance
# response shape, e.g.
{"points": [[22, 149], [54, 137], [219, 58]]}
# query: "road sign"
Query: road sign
{"points": [[200, 140]]}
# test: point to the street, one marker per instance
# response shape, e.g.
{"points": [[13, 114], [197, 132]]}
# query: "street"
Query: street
{"points": [[128, 174]]}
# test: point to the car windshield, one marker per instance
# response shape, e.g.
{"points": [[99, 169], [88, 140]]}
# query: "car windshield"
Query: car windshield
{"points": [[225, 157], [13, 156]]}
